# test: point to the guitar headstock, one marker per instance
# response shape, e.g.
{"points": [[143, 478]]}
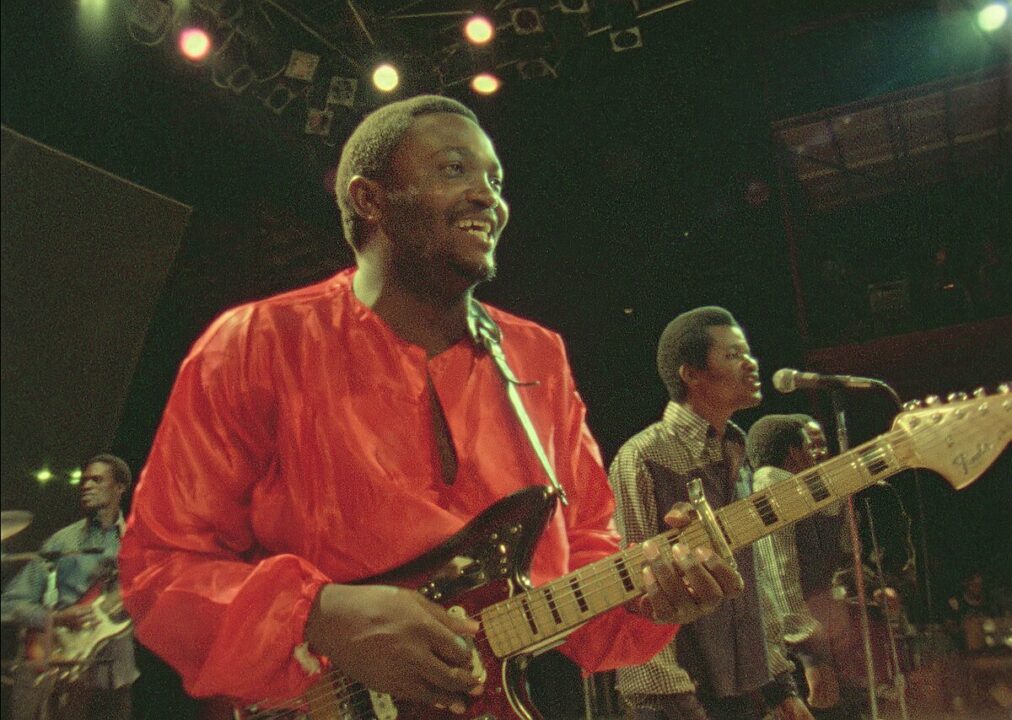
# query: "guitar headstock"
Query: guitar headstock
{"points": [[959, 438]]}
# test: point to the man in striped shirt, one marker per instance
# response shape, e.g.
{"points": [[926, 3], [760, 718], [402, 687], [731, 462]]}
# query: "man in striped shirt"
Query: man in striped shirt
{"points": [[719, 667]]}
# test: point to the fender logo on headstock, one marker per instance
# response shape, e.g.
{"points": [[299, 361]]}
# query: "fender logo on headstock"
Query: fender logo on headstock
{"points": [[967, 463]]}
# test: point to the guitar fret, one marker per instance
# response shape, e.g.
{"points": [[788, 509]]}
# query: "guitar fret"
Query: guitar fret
{"points": [[500, 630], [532, 619], [545, 613], [528, 615], [567, 604], [874, 462], [550, 599], [574, 583], [736, 531], [544, 616], [623, 573], [816, 486], [764, 506]]}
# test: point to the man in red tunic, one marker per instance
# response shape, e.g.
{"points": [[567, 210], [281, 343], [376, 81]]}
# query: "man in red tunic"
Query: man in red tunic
{"points": [[338, 431]]}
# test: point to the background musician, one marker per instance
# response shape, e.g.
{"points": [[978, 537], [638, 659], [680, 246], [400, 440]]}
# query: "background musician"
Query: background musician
{"points": [[59, 592]]}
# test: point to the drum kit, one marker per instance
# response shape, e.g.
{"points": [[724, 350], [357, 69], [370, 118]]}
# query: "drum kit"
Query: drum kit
{"points": [[12, 522]]}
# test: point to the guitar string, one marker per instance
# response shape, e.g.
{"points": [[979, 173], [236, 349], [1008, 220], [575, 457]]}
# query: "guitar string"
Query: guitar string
{"points": [[693, 535]]}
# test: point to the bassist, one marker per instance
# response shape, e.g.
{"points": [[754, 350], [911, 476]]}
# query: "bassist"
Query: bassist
{"points": [[339, 431]]}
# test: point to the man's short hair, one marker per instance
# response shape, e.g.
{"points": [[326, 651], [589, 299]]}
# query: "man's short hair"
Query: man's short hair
{"points": [[120, 470], [367, 152], [804, 419], [771, 437], [685, 341]]}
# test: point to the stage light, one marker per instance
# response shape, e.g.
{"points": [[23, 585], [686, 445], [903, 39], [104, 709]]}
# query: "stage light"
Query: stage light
{"points": [[319, 122], [194, 43], [478, 30], [94, 14], [148, 21], [526, 20], [74, 477], [385, 77], [302, 65], [992, 17], [43, 475], [570, 7], [279, 98], [626, 39], [485, 83], [342, 91], [535, 69]]}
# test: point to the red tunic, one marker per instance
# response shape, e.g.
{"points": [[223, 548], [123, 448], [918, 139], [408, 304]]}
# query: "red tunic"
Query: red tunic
{"points": [[297, 448]]}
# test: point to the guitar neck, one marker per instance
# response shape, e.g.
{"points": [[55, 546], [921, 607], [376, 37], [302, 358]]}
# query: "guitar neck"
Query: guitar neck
{"points": [[795, 498], [545, 614]]}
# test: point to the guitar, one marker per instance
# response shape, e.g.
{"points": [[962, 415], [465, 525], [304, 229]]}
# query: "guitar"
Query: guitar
{"points": [[67, 652], [481, 571]]}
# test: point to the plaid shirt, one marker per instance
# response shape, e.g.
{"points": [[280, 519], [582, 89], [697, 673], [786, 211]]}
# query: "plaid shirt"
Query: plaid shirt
{"points": [[681, 441]]}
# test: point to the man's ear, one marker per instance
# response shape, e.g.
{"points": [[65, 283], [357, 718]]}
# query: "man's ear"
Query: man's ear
{"points": [[688, 374], [366, 198]]}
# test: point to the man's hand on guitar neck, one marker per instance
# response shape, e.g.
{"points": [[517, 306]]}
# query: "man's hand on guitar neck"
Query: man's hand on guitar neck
{"points": [[395, 641], [75, 617], [682, 585]]}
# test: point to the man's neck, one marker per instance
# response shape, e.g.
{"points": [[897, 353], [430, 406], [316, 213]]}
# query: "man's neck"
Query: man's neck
{"points": [[106, 516], [433, 322], [717, 417]]}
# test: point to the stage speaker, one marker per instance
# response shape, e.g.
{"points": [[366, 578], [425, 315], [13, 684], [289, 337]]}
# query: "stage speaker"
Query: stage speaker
{"points": [[85, 258]]}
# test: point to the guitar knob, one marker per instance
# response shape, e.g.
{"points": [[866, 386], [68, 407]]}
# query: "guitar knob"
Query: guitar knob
{"points": [[932, 400], [980, 392], [1005, 388], [911, 405], [956, 396]]}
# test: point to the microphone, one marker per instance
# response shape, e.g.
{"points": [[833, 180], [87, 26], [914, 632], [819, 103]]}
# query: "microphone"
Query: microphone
{"points": [[787, 380]]}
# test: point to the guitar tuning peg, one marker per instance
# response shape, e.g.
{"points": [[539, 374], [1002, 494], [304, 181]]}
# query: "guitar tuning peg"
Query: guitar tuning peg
{"points": [[911, 405], [932, 400], [980, 392], [957, 396]]}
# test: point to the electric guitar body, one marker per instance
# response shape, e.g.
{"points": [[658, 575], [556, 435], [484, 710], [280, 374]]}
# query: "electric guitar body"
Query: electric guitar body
{"points": [[482, 571], [483, 564], [68, 652]]}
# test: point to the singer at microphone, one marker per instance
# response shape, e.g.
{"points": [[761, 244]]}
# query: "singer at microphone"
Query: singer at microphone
{"points": [[787, 380]]}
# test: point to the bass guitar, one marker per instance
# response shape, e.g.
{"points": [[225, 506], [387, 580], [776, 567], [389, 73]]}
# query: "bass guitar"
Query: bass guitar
{"points": [[482, 570]]}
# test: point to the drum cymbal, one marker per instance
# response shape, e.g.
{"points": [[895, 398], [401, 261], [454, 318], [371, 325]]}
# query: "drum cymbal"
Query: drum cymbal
{"points": [[13, 521]]}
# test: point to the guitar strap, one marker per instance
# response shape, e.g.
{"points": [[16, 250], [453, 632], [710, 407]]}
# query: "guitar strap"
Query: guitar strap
{"points": [[485, 333]]}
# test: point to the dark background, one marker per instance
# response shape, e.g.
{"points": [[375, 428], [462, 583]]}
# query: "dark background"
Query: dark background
{"points": [[642, 183]]}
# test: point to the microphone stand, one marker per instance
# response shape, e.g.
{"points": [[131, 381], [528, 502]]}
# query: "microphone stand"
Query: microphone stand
{"points": [[836, 395], [901, 680], [922, 565]]}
